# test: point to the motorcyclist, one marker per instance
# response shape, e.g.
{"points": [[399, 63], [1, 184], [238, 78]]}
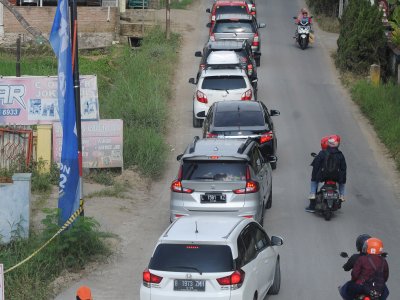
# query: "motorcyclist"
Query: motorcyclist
{"points": [[303, 14], [366, 267], [318, 175], [359, 244], [84, 293]]}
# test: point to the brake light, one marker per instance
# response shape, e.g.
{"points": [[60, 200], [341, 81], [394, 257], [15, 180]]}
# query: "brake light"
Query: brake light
{"points": [[266, 137], [212, 37], [179, 216], [235, 280], [251, 185], [250, 69], [202, 66], [247, 95], [176, 185], [255, 40], [201, 97], [149, 278], [330, 182], [248, 217], [211, 135]]}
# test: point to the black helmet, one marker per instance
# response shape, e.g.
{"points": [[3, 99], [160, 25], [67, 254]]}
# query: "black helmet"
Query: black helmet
{"points": [[361, 240]]}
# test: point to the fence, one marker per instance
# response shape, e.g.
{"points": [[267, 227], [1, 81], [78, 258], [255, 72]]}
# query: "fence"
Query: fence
{"points": [[16, 146]]}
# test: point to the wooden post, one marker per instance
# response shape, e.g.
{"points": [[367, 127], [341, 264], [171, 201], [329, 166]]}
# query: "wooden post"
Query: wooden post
{"points": [[375, 74], [168, 19]]}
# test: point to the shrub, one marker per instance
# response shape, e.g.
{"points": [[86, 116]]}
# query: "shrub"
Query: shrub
{"points": [[324, 7], [395, 23], [362, 39]]}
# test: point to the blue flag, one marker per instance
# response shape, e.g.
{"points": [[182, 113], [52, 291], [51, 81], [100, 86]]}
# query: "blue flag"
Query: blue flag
{"points": [[69, 192]]}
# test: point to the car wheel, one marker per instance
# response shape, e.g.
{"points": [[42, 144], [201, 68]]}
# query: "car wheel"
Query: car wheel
{"points": [[276, 286], [273, 165], [269, 202], [258, 61], [328, 215], [196, 122]]}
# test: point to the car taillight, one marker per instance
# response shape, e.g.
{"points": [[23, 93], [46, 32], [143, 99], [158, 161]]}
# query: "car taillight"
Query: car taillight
{"points": [[250, 69], [266, 137], [213, 18], [211, 135], [255, 40], [202, 66], [235, 280], [176, 185], [149, 278], [212, 37], [251, 186], [247, 95], [201, 97]]}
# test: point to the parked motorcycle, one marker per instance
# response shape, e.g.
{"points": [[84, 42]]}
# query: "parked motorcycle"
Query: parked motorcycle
{"points": [[362, 296], [327, 198], [303, 33]]}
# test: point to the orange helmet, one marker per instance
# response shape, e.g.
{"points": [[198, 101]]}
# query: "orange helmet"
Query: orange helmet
{"points": [[335, 140], [373, 246], [84, 293]]}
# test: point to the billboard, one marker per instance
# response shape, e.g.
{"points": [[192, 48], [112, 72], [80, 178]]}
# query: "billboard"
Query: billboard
{"points": [[33, 99], [102, 143]]}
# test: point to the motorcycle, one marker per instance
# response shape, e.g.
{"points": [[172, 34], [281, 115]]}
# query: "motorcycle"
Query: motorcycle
{"points": [[327, 198], [362, 296], [303, 33]]}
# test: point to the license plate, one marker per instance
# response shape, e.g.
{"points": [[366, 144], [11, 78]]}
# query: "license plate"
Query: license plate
{"points": [[213, 198], [189, 285]]}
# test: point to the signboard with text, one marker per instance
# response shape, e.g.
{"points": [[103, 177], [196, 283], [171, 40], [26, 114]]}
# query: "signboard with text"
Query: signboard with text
{"points": [[102, 143], [33, 99]]}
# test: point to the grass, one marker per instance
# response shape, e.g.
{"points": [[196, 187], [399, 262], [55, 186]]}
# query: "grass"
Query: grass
{"points": [[118, 190], [176, 4], [382, 106], [329, 24], [134, 85], [71, 250]]}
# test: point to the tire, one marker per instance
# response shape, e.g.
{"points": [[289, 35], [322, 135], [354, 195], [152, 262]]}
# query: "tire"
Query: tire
{"points": [[273, 165], [258, 61], [276, 286], [269, 201], [303, 44], [196, 122], [328, 215]]}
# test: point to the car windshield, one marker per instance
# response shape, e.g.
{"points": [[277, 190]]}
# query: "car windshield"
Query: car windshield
{"points": [[229, 26], [236, 9], [214, 170], [223, 83], [190, 258], [238, 118]]}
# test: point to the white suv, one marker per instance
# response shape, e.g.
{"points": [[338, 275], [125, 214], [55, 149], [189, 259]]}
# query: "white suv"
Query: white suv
{"points": [[213, 257], [219, 85]]}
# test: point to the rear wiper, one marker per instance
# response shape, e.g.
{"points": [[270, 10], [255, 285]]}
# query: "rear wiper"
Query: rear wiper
{"points": [[185, 267], [203, 177]]}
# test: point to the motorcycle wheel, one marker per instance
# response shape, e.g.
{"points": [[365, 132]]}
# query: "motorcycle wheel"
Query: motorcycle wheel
{"points": [[303, 44], [328, 215]]}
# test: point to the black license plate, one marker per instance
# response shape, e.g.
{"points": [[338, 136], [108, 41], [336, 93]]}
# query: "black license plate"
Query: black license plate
{"points": [[189, 285], [213, 198]]}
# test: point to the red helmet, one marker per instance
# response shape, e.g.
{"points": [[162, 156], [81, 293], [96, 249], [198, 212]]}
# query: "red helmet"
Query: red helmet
{"points": [[332, 140], [373, 246]]}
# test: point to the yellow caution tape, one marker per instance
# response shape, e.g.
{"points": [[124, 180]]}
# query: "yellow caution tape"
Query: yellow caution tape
{"points": [[65, 226]]}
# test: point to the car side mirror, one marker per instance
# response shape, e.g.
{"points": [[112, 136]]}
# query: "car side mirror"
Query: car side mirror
{"points": [[274, 112], [208, 10], [313, 154], [198, 54], [261, 25], [192, 80], [179, 157], [276, 241], [208, 25], [344, 254]]}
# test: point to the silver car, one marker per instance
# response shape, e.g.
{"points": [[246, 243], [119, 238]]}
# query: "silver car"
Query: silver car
{"points": [[226, 177]]}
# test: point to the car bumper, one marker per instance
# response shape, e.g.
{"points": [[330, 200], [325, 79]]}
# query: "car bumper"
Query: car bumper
{"points": [[157, 294]]}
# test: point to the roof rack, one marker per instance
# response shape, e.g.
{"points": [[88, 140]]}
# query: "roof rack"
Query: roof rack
{"points": [[192, 145]]}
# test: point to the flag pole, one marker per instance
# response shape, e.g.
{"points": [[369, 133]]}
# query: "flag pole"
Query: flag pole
{"points": [[77, 94]]}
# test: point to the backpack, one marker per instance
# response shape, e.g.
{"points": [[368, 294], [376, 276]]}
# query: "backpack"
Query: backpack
{"points": [[375, 285], [331, 167]]}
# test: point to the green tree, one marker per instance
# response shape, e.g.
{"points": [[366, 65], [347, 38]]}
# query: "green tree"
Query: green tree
{"points": [[362, 40]]}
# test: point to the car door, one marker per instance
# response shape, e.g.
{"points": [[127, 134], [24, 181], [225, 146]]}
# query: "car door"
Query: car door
{"points": [[266, 259], [267, 175], [208, 121], [246, 261], [262, 174], [259, 173]]}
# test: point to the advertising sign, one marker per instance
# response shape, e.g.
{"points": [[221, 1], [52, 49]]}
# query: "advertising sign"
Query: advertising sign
{"points": [[101, 143], [1, 282], [33, 99]]}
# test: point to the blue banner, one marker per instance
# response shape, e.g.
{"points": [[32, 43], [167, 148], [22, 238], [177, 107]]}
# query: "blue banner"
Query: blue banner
{"points": [[69, 193]]}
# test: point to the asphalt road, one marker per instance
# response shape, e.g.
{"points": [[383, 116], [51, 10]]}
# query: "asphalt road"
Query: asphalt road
{"points": [[303, 85]]}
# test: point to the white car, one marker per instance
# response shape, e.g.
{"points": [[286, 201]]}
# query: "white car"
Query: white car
{"points": [[219, 85], [213, 257]]}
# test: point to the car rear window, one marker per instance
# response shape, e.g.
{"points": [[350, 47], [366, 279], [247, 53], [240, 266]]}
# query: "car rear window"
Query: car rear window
{"points": [[214, 170], [229, 26], [223, 83], [191, 258], [238, 118], [231, 9]]}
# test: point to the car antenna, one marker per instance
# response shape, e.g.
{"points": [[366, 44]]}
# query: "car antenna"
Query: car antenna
{"points": [[196, 227]]}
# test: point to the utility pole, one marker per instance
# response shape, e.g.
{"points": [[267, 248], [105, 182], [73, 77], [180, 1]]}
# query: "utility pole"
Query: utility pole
{"points": [[168, 19]]}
